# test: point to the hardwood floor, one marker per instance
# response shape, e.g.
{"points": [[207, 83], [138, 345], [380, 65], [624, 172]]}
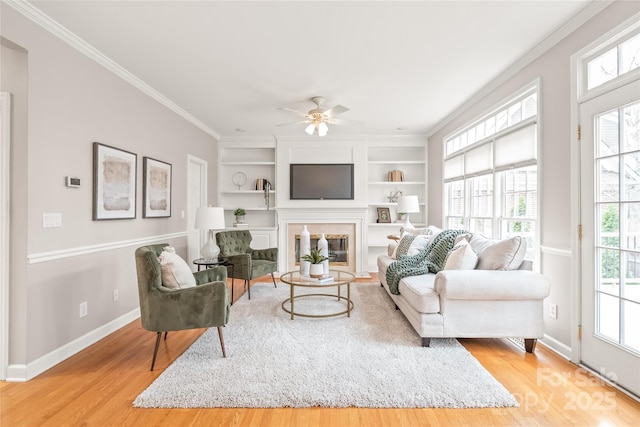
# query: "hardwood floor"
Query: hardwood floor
{"points": [[97, 386]]}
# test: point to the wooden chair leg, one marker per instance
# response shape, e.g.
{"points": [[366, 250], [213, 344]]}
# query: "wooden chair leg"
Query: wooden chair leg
{"points": [[224, 353], [155, 352], [530, 344], [274, 280], [247, 283]]}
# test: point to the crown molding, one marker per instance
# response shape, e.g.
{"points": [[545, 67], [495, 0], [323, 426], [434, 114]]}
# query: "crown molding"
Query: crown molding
{"points": [[588, 12], [37, 16]]}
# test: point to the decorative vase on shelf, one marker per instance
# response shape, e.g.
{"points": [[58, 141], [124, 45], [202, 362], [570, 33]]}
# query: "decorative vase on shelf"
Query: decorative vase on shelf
{"points": [[323, 246], [305, 249]]}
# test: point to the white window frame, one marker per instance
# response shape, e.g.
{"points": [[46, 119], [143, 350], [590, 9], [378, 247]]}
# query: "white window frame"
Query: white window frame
{"points": [[457, 172]]}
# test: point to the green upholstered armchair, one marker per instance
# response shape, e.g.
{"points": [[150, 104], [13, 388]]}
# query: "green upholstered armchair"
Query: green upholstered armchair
{"points": [[163, 309], [248, 263]]}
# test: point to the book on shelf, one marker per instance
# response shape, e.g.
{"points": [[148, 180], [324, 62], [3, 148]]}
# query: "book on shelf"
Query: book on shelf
{"points": [[241, 225]]}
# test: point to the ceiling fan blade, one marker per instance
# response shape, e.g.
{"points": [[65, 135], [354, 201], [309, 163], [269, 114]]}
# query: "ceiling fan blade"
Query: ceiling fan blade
{"points": [[300, 113], [294, 123], [335, 110], [337, 121]]}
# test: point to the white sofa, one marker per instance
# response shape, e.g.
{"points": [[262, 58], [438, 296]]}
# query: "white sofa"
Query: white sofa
{"points": [[473, 303]]}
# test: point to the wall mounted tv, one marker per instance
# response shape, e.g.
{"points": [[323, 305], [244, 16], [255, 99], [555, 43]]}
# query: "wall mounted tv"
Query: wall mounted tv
{"points": [[321, 181]]}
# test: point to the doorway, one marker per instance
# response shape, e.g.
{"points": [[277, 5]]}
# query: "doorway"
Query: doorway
{"points": [[610, 251], [196, 197]]}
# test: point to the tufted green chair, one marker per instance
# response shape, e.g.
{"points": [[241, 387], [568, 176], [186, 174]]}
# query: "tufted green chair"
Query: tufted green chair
{"points": [[248, 263], [163, 309]]}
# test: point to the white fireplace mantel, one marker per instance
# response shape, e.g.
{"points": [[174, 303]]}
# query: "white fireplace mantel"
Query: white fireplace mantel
{"points": [[319, 215]]}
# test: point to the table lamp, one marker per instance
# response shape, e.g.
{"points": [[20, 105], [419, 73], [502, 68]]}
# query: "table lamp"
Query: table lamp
{"points": [[210, 219], [406, 206]]}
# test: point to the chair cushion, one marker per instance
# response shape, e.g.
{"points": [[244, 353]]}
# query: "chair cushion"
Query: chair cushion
{"points": [[175, 272]]}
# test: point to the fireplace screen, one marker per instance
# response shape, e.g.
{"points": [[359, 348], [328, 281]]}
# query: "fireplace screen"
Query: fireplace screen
{"points": [[338, 247]]}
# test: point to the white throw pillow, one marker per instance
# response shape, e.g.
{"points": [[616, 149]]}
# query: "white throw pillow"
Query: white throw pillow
{"points": [[461, 257], [403, 245], [493, 254], [410, 244], [176, 273]]}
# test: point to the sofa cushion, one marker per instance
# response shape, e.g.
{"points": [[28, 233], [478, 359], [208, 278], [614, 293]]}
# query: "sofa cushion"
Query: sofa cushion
{"points": [[494, 254], [419, 293], [461, 257], [175, 272], [410, 244]]}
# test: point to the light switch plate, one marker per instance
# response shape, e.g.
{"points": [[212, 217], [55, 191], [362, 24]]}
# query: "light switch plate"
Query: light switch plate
{"points": [[51, 219]]}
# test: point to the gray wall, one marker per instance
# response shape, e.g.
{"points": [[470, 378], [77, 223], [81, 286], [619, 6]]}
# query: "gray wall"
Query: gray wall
{"points": [[553, 68], [63, 101]]}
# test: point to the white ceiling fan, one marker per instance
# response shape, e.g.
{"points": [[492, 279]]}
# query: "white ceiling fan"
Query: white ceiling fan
{"points": [[319, 118]]}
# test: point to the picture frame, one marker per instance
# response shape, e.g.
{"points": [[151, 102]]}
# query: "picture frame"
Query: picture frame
{"points": [[384, 216], [114, 183], [156, 188]]}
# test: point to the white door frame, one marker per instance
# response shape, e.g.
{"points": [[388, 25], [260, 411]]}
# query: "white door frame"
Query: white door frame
{"points": [[578, 97], [5, 195], [201, 199]]}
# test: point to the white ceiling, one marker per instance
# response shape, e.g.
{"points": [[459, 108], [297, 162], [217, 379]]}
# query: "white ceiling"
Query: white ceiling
{"points": [[394, 64]]}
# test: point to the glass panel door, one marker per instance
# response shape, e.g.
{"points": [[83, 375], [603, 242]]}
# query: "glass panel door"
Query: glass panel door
{"points": [[610, 176]]}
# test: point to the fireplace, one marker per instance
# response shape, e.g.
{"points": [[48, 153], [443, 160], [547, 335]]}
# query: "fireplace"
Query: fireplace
{"points": [[345, 225], [338, 248]]}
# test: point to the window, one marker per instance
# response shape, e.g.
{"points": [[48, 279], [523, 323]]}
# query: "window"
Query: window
{"points": [[616, 61], [491, 172]]}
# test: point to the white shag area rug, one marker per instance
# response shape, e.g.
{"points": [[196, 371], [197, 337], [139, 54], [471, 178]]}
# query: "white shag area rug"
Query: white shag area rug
{"points": [[372, 359]]}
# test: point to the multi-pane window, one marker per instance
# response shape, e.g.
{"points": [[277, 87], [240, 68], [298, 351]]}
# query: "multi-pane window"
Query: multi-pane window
{"points": [[615, 62], [491, 172]]}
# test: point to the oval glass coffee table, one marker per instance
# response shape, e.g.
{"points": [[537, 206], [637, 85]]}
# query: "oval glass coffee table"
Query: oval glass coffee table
{"points": [[295, 280]]}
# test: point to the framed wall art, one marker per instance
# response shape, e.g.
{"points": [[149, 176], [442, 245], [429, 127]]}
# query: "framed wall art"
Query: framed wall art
{"points": [[156, 188], [114, 183], [384, 215]]}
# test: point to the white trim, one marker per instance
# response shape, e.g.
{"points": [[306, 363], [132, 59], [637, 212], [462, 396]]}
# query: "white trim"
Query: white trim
{"points": [[85, 250], [556, 346], [591, 10], [23, 373], [41, 19], [555, 251], [5, 230]]}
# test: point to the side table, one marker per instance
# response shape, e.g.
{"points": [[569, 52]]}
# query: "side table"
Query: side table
{"points": [[201, 262]]}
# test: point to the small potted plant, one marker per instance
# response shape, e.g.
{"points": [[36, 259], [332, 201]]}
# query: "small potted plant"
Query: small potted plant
{"points": [[239, 213], [315, 258]]}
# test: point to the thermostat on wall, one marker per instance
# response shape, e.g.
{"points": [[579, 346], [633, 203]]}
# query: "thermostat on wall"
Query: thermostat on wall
{"points": [[72, 181]]}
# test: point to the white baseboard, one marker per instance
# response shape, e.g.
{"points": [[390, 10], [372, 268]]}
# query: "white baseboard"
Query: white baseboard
{"points": [[23, 373], [556, 346]]}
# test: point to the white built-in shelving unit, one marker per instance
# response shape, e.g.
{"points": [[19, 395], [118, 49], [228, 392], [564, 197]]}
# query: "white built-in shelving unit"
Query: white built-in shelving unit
{"points": [[254, 159], [411, 160]]}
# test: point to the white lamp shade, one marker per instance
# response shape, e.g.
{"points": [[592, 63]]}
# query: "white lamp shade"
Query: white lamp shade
{"points": [[408, 204], [209, 218]]}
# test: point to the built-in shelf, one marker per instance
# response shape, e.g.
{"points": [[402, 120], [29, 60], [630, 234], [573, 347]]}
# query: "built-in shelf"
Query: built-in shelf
{"points": [[411, 160]]}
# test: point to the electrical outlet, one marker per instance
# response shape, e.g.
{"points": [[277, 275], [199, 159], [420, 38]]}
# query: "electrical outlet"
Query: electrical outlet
{"points": [[83, 309], [553, 310], [115, 295]]}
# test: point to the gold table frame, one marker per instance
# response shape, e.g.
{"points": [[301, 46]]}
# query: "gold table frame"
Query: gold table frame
{"points": [[340, 278]]}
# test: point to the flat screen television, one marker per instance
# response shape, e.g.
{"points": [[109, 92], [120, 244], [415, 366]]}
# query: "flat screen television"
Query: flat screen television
{"points": [[321, 181]]}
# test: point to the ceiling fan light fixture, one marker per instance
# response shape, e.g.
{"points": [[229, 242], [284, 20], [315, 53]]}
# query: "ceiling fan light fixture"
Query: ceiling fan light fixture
{"points": [[323, 129], [310, 129]]}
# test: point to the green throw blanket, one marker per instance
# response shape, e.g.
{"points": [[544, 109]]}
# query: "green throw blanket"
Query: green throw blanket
{"points": [[430, 259]]}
